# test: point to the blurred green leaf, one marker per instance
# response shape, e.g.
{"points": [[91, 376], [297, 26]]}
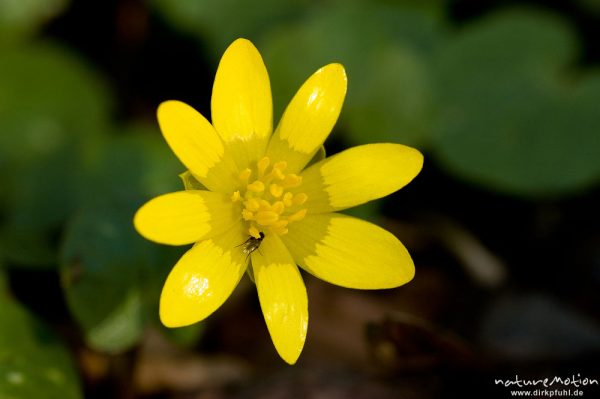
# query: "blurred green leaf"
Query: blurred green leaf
{"points": [[386, 61], [102, 270], [45, 191], [185, 336], [508, 120], [19, 18], [220, 22], [111, 275], [25, 247], [53, 111], [132, 167], [397, 106], [33, 362], [591, 6], [48, 99], [369, 211]]}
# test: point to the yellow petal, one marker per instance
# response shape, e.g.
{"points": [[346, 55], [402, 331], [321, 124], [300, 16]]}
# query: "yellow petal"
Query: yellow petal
{"points": [[185, 217], [196, 144], [242, 109], [359, 175], [203, 279], [282, 296], [349, 252], [309, 118]]}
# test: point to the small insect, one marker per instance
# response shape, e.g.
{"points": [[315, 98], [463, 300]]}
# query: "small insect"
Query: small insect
{"points": [[252, 244]]}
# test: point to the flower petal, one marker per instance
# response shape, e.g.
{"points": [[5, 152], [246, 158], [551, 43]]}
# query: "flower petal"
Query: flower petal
{"points": [[309, 117], [282, 296], [203, 279], [185, 217], [358, 175], [195, 142], [349, 252], [242, 108]]}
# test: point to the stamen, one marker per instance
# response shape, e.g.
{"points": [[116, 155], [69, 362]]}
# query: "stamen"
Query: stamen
{"points": [[287, 199], [276, 174], [297, 216], [245, 175], [300, 199], [267, 207], [281, 165], [291, 181], [266, 217], [247, 215], [254, 231], [278, 207], [262, 165], [252, 204], [264, 205], [280, 227], [281, 223], [276, 190], [257, 186]]}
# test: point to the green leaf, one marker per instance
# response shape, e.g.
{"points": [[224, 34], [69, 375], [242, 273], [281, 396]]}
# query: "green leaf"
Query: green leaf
{"points": [[397, 106], [19, 18], [102, 272], [220, 22], [53, 110], [48, 99], [508, 120], [386, 61], [24, 247], [187, 336], [130, 168], [33, 362], [370, 211], [45, 191], [111, 275]]}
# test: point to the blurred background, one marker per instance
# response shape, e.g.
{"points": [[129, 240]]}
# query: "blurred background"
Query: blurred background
{"points": [[502, 97]]}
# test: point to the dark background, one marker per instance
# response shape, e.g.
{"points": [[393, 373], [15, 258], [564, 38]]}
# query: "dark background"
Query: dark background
{"points": [[504, 237]]}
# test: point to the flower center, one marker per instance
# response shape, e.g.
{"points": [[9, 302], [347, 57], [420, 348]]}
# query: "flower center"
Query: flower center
{"points": [[267, 205]]}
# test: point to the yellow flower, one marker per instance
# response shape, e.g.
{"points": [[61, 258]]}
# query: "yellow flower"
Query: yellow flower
{"points": [[255, 184]]}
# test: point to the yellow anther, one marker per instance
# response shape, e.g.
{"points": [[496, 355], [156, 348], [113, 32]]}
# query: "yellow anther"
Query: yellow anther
{"points": [[247, 215], [291, 180], [267, 206], [281, 165], [266, 218], [264, 205], [275, 174], [279, 230], [287, 199], [280, 227], [252, 204], [278, 207], [245, 175], [262, 165], [300, 199], [276, 190], [297, 216], [254, 231], [256, 186], [280, 223]]}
